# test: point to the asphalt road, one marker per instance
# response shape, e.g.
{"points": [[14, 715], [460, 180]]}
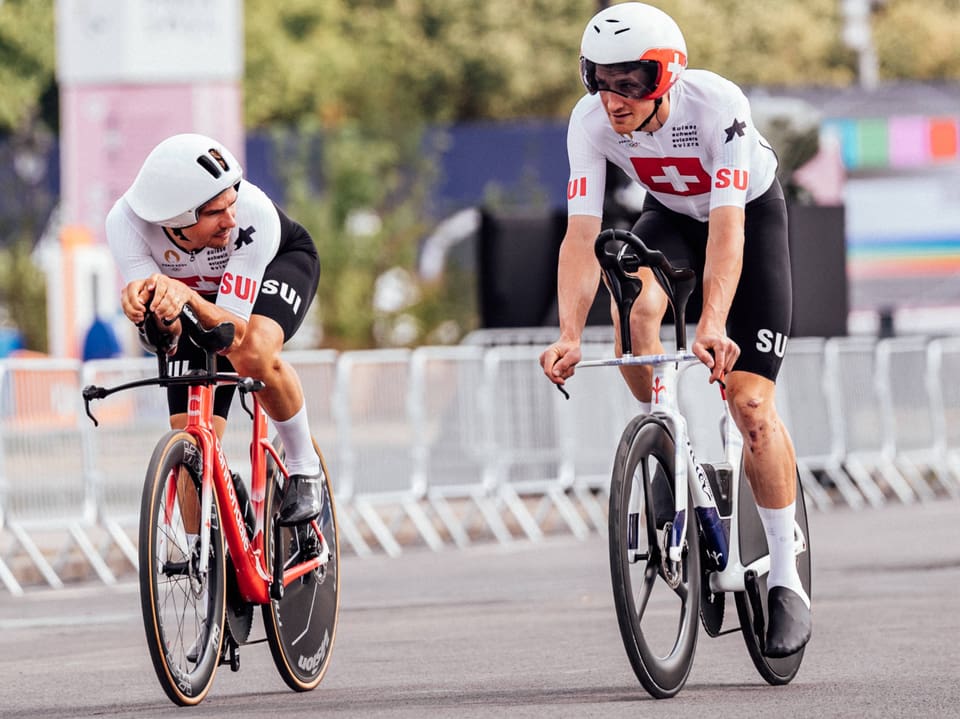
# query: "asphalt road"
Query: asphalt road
{"points": [[530, 631]]}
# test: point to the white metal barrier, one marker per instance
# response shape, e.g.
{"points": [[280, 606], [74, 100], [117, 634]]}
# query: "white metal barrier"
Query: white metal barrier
{"points": [[450, 445], [45, 485], [944, 369]]}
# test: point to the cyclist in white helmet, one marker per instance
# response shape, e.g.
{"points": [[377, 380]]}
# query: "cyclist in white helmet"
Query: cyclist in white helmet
{"points": [[190, 230], [713, 203]]}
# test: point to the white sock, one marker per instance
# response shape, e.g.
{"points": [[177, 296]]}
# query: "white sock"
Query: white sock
{"points": [[778, 526], [301, 457], [645, 407]]}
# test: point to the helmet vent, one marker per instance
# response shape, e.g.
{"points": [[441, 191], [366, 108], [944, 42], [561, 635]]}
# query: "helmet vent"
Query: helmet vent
{"points": [[211, 165]]}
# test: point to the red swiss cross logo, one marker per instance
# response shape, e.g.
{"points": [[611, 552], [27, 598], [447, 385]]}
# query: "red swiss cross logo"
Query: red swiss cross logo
{"points": [[672, 175]]}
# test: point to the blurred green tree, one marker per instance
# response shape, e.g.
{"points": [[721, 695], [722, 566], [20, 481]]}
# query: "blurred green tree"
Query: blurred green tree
{"points": [[368, 76]]}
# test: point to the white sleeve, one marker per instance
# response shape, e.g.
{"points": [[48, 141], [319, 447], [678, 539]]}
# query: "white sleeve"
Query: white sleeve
{"points": [[734, 137], [129, 248], [588, 171]]}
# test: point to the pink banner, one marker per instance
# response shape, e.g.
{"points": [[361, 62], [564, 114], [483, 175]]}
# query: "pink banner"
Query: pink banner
{"points": [[909, 138], [107, 132]]}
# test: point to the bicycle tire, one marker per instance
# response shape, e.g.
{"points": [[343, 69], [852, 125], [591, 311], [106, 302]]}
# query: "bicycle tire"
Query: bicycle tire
{"points": [[753, 544], [302, 626], [660, 652], [183, 613]]}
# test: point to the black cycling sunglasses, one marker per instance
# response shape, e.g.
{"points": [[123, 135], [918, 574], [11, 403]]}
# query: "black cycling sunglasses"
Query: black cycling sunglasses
{"points": [[636, 80]]}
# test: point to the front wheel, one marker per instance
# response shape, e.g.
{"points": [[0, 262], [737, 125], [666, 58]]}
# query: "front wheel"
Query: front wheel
{"points": [[753, 544], [302, 625], [182, 603], [657, 600]]}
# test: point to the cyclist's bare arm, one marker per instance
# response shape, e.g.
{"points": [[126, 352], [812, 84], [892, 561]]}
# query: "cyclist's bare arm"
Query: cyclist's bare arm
{"points": [[721, 275], [578, 275]]}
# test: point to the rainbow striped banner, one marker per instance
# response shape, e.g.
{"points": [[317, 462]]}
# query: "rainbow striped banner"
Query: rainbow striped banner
{"points": [[905, 141], [930, 256]]}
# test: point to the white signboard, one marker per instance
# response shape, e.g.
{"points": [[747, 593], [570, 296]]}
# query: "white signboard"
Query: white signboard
{"points": [[149, 41]]}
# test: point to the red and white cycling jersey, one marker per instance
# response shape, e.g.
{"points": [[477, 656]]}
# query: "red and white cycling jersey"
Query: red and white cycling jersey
{"points": [[708, 153], [233, 274]]}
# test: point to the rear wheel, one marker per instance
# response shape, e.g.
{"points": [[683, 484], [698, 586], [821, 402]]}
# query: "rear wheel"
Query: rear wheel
{"points": [[657, 599], [302, 625], [182, 605], [753, 544]]}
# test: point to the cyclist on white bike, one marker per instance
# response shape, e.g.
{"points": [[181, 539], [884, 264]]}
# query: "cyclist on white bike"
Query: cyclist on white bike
{"points": [[190, 230], [712, 203]]}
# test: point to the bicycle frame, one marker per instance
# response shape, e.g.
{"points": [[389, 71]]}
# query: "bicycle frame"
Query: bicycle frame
{"points": [[254, 579], [619, 254], [257, 582]]}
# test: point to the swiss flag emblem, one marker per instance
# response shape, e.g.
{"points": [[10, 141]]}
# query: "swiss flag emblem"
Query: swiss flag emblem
{"points": [[672, 175]]}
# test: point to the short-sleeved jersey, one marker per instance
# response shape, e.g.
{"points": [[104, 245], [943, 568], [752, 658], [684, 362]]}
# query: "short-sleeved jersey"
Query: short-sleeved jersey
{"points": [[708, 153], [233, 274]]}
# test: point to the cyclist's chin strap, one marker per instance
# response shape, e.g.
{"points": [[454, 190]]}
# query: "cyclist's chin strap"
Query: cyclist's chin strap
{"points": [[656, 109]]}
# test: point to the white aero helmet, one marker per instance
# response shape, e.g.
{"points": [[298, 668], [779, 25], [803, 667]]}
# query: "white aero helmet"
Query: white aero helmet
{"points": [[640, 41], [179, 176]]}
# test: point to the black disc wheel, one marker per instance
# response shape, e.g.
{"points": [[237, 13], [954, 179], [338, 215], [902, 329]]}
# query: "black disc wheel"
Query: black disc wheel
{"points": [[753, 544], [182, 600], [657, 599], [302, 625]]}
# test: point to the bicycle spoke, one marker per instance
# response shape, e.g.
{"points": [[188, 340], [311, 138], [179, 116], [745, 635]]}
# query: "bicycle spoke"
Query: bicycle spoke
{"points": [[650, 574]]}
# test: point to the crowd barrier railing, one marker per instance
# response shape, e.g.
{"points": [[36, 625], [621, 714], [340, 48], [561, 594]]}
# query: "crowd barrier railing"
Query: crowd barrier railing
{"points": [[448, 446]]}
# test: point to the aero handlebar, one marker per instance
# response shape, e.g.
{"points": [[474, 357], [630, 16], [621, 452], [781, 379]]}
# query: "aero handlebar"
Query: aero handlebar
{"points": [[621, 254]]}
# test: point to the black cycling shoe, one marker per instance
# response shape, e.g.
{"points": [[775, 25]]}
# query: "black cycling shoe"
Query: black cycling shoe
{"points": [[789, 624], [301, 499]]}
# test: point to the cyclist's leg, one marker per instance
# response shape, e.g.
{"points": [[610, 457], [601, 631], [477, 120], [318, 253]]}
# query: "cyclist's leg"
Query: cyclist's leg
{"points": [[760, 322], [287, 290]]}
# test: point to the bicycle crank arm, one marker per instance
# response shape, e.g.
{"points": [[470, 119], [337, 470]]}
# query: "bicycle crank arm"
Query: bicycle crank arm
{"points": [[276, 586], [756, 606]]}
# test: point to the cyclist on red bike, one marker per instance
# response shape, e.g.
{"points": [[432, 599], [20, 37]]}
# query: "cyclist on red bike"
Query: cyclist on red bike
{"points": [[190, 230], [712, 203]]}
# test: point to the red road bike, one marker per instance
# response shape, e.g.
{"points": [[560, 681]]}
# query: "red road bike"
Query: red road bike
{"points": [[209, 552]]}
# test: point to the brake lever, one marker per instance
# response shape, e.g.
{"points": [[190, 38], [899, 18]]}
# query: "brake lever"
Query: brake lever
{"points": [[91, 392]]}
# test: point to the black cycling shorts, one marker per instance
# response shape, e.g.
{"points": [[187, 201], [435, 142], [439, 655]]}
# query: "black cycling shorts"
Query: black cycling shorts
{"points": [[286, 292], [759, 318]]}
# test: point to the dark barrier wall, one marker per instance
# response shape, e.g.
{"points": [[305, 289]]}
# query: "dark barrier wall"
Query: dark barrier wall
{"points": [[818, 259], [517, 260]]}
